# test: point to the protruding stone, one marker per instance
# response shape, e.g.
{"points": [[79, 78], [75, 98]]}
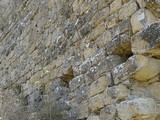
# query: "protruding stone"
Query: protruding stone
{"points": [[139, 109], [139, 67], [141, 19], [147, 41]]}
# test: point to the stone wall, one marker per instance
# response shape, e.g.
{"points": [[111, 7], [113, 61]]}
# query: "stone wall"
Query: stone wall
{"points": [[79, 59]]}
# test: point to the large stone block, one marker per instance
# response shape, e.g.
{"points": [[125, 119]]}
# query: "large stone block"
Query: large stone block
{"points": [[115, 93], [147, 41], [83, 110], [139, 67], [121, 44], [98, 86], [115, 6], [108, 64], [108, 113], [128, 9], [154, 91], [93, 117], [76, 82], [141, 19], [96, 102], [139, 109], [80, 94], [82, 68], [122, 27]]}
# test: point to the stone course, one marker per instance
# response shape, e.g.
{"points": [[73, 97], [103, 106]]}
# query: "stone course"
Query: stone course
{"points": [[79, 59]]}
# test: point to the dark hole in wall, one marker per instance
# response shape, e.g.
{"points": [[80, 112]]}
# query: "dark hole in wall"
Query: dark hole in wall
{"points": [[67, 77]]}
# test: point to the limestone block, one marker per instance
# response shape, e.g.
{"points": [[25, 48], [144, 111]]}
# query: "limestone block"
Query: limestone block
{"points": [[121, 44], [83, 68], [81, 94], [85, 29], [127, 10], [93, 117], [90, 76], [115, 5], [108, 64], [59, 92], [98, 86], [76, 82], [104, 38], [147, 41], [90, 49], [154, 91], [141, 19], [140, 108], [99, 17], [104, 3], [108, 112], [76, 4], [139, 67], [83, 110], [112, 20], [96, 102], [153, 5], [115, 93], [98, 56], [142, 3], [121, 27], [97, 32]]}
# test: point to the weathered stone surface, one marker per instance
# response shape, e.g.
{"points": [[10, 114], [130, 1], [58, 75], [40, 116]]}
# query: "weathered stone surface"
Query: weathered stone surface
{"points": [[141, 3], [141, 108], [83, 110], [120, 44], [76, 82], [121, 27], [141, 19], [139, 67], [93, 117], [108, 63], [81, 94], [79, 59], [108, 113], [147, 41], [154, 92], [128, 9], [96, 102], [115, 93], [98, 86], [115, 5]]}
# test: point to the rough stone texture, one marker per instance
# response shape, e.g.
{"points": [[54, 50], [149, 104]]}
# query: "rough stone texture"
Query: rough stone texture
{"points": [[139, 67], [141, 108], [93, 117], [108, 113], [79, 59], [141, 19], [147, 41]]}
